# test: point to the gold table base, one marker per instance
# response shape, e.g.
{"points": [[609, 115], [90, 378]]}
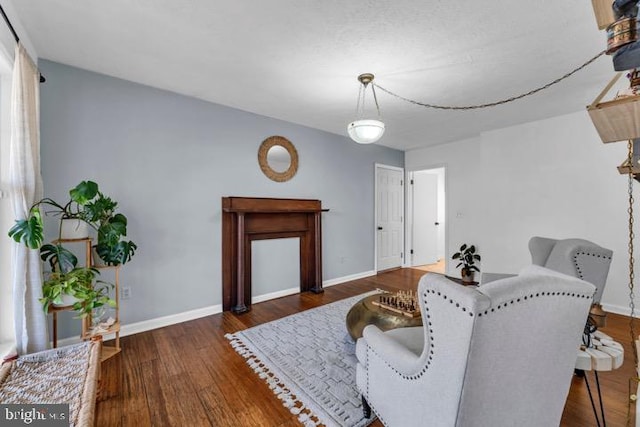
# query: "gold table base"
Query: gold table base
{"points": [[364, 313]]}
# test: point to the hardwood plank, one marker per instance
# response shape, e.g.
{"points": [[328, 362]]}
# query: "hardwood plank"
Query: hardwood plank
{"points": [[167, 373], [153, 394]]}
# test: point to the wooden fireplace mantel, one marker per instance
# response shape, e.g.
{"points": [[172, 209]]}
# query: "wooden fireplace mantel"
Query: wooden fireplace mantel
{"points": [[245, 219]]}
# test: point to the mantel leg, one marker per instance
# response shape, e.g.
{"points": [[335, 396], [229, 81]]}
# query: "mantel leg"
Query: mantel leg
{"points": [[316, 287], [240, 306]]}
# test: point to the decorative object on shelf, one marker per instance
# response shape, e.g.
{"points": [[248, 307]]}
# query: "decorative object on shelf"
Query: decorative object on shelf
{"points": [[621, 33], [467, 258], [361, 130], [278, 158], [402, 302]]}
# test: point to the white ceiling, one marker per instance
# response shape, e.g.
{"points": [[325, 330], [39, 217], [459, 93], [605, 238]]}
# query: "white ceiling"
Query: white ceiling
{"points": [[298, 60]]}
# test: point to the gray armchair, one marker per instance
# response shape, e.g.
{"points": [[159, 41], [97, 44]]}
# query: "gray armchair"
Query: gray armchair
{"points": [[575, 257], [499, 355]]}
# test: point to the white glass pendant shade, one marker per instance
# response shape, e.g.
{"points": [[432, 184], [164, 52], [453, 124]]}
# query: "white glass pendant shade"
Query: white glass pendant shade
{"points": [[366, 131]]}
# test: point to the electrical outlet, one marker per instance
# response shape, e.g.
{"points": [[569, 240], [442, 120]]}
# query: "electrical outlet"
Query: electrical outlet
{"points": [[125, 293]]}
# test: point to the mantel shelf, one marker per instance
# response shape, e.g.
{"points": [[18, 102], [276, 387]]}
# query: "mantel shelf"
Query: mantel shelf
{"points": [[270, 205]]}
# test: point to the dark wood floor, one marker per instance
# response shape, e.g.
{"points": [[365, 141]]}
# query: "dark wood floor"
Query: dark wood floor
{"points": [[188, 375]]}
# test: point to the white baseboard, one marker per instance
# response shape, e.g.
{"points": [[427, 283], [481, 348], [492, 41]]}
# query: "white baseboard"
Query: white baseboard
{"points": [[160, 322], [343, 279], [620, 309], [274, 295]]}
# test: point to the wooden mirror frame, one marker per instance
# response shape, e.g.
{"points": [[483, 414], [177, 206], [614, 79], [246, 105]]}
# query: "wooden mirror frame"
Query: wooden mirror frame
{"points": [[264, 164]]}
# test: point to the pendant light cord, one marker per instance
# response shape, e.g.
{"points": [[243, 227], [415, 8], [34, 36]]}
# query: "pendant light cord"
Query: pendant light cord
{"points": [[490, 104], [634, 380]]}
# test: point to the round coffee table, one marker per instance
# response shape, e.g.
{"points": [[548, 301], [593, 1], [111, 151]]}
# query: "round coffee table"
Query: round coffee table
{"points": [[364, 313]]}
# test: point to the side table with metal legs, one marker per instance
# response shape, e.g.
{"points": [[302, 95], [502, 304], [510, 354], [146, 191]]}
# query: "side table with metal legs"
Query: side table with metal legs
{"points": [[603, 354]]}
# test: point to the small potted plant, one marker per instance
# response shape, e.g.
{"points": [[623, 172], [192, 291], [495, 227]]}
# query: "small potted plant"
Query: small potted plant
{"points": [[76, 288], [67, 284], [467, 257]]}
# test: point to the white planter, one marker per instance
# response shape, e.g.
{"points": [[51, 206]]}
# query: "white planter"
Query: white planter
{"points": [[96, 261], [73, 229], [67, 300]]}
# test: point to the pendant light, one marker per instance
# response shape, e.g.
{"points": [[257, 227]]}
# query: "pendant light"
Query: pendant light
{"points": [[361, 130]]}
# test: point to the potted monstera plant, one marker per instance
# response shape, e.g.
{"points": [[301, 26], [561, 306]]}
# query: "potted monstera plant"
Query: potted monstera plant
{"points": [[91, 208], [467, 257]]}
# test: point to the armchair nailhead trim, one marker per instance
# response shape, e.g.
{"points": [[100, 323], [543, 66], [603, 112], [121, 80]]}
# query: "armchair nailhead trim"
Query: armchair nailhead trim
{"points": [[577, 265], [531, 296]]}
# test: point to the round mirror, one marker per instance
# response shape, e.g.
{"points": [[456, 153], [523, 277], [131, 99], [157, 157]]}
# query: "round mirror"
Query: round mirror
{"points": [[278, 158]]}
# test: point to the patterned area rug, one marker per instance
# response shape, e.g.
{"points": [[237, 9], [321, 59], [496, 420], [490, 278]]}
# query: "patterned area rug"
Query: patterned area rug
{"points": [[308, 360]]}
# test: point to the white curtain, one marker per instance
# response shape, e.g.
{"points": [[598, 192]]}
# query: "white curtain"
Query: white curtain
{"points": [[26, 183]]}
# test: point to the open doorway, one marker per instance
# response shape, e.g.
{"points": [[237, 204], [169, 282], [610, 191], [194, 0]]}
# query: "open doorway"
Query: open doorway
{"points": [[427, 227]]}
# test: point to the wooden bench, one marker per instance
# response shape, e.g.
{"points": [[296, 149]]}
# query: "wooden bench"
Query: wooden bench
{"points": [[67, 375]]}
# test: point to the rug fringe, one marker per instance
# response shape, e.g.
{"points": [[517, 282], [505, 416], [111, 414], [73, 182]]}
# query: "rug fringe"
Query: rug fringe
{"points": [[289, 400]]}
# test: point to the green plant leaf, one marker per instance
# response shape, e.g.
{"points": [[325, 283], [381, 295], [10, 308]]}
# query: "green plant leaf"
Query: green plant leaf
{"points": [[120, 253], [99, 210], [29, 231], [60, 259], [84, 192]]}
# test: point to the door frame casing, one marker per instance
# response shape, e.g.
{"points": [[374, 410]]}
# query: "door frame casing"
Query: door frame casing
{"points": [[409, 213], [375, 213]]}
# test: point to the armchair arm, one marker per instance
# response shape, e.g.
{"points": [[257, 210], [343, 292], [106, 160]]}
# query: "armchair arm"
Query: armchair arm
{"points": [[391, 351]]}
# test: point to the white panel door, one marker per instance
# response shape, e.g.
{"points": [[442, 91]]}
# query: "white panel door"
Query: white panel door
{"points": [[389, 217], [425, 218]]}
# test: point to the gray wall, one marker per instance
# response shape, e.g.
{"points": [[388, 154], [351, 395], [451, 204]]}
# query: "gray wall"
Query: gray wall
{"points": [[168, 159]]}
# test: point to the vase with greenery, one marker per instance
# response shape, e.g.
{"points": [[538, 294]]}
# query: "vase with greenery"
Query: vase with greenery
{"points": [[467, 257]]}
